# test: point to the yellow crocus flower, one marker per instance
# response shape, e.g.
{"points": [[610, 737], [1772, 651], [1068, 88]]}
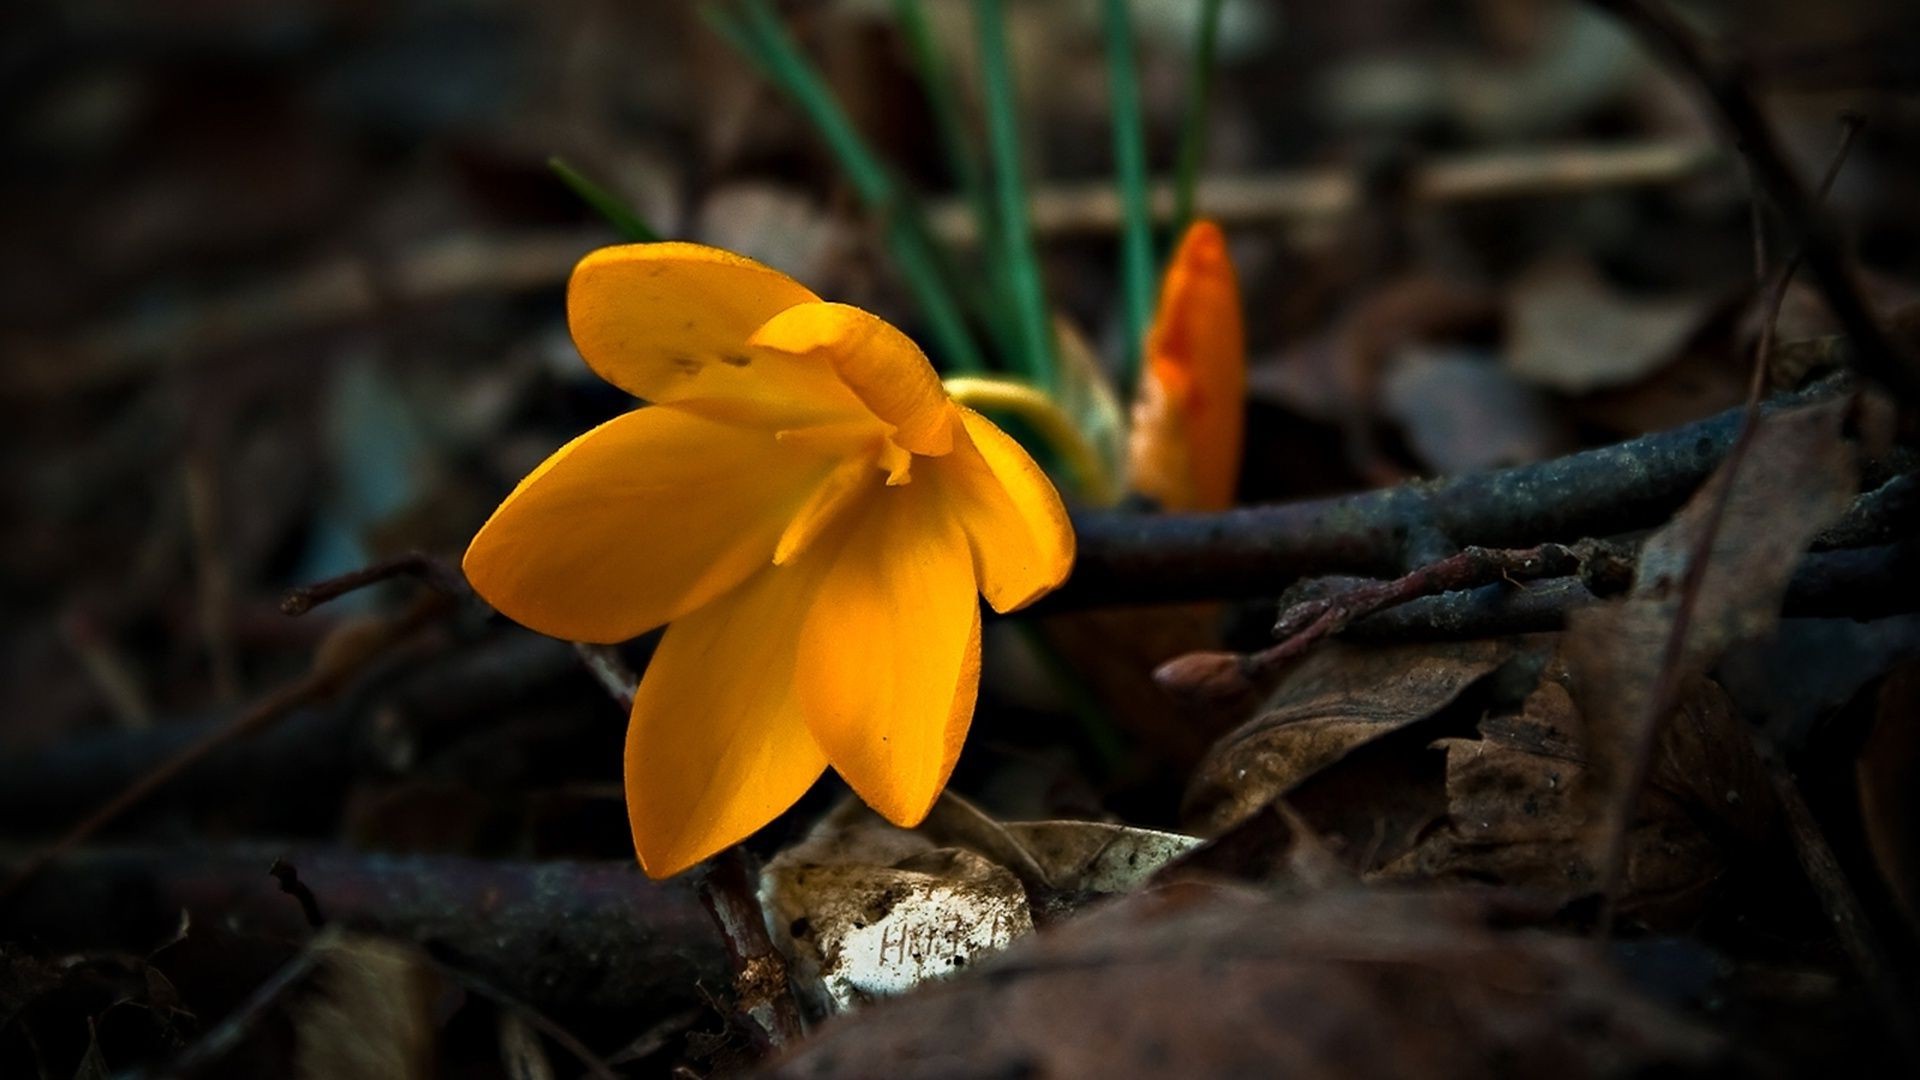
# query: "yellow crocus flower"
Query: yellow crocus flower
{"points": [[811, 512], [1189, 418]]}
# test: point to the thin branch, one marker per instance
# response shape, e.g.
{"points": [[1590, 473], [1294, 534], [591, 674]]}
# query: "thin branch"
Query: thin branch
{"points": [[610, 670], [288, 876], [1868, 583], [763, 995], [1301, 626], [428, 569], [1260, 550]]}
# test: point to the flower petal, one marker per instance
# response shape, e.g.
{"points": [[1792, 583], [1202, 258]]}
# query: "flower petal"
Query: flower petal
{"points": [[717, 746], [881, 365], [670, 321], [637, 522], [890, 651], [1021, 539], [831, 498]]}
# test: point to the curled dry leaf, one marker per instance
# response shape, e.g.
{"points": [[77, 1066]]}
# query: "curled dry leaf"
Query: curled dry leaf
{"points": [[868, 910], [1514, 816], [1797, 476], [1340, 697], [373, 1012], [1216, 981]]}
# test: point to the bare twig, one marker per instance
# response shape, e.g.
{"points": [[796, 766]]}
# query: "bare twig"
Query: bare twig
{"points": [[329, 293], [288, 876], [1300, 627], [1810, 228], [764, 996], [425, 568], [610, 670], [1306, 197], [1865, 583]]}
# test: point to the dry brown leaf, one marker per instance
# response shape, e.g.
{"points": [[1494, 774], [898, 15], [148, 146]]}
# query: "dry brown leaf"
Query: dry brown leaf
{"points": [[1215, 981], [1797, 476], [1572, 332], [1515, 816], [1339, 698], [1463, 412]]}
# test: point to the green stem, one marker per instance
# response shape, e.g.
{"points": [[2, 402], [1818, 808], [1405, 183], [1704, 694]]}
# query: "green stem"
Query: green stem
{"points": [[767, 44], [963, 158], [1193, 136], [1130, 161], [1018, 259], [948, 117], [1049, 422], [604, 202]]}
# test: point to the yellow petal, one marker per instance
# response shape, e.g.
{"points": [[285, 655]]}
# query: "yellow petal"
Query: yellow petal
{"points": [[890, 651], [1016, 526], [669, 322], [717, 746], [881, 365], [637, 522], [832, 498], [1189, 421]]}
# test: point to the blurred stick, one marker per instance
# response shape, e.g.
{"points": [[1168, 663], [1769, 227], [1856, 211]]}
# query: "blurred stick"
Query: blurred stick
{"points": [[566, 936], [1811, 230], [341, 658], [326, 294], [1321, 195]]}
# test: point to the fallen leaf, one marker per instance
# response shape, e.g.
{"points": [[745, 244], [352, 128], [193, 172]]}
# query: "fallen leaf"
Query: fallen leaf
{"points": [[1570, 331], [1462, 412], [1515, 816], [1218, 981], [1339, 698], [1797, 476]]}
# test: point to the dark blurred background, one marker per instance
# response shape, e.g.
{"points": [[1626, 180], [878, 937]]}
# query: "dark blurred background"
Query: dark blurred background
{"points": [[280, 285], [281, 290]]}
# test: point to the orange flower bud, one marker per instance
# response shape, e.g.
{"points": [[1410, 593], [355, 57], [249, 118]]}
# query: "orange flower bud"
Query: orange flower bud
{"points": [[1189, 416]]}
